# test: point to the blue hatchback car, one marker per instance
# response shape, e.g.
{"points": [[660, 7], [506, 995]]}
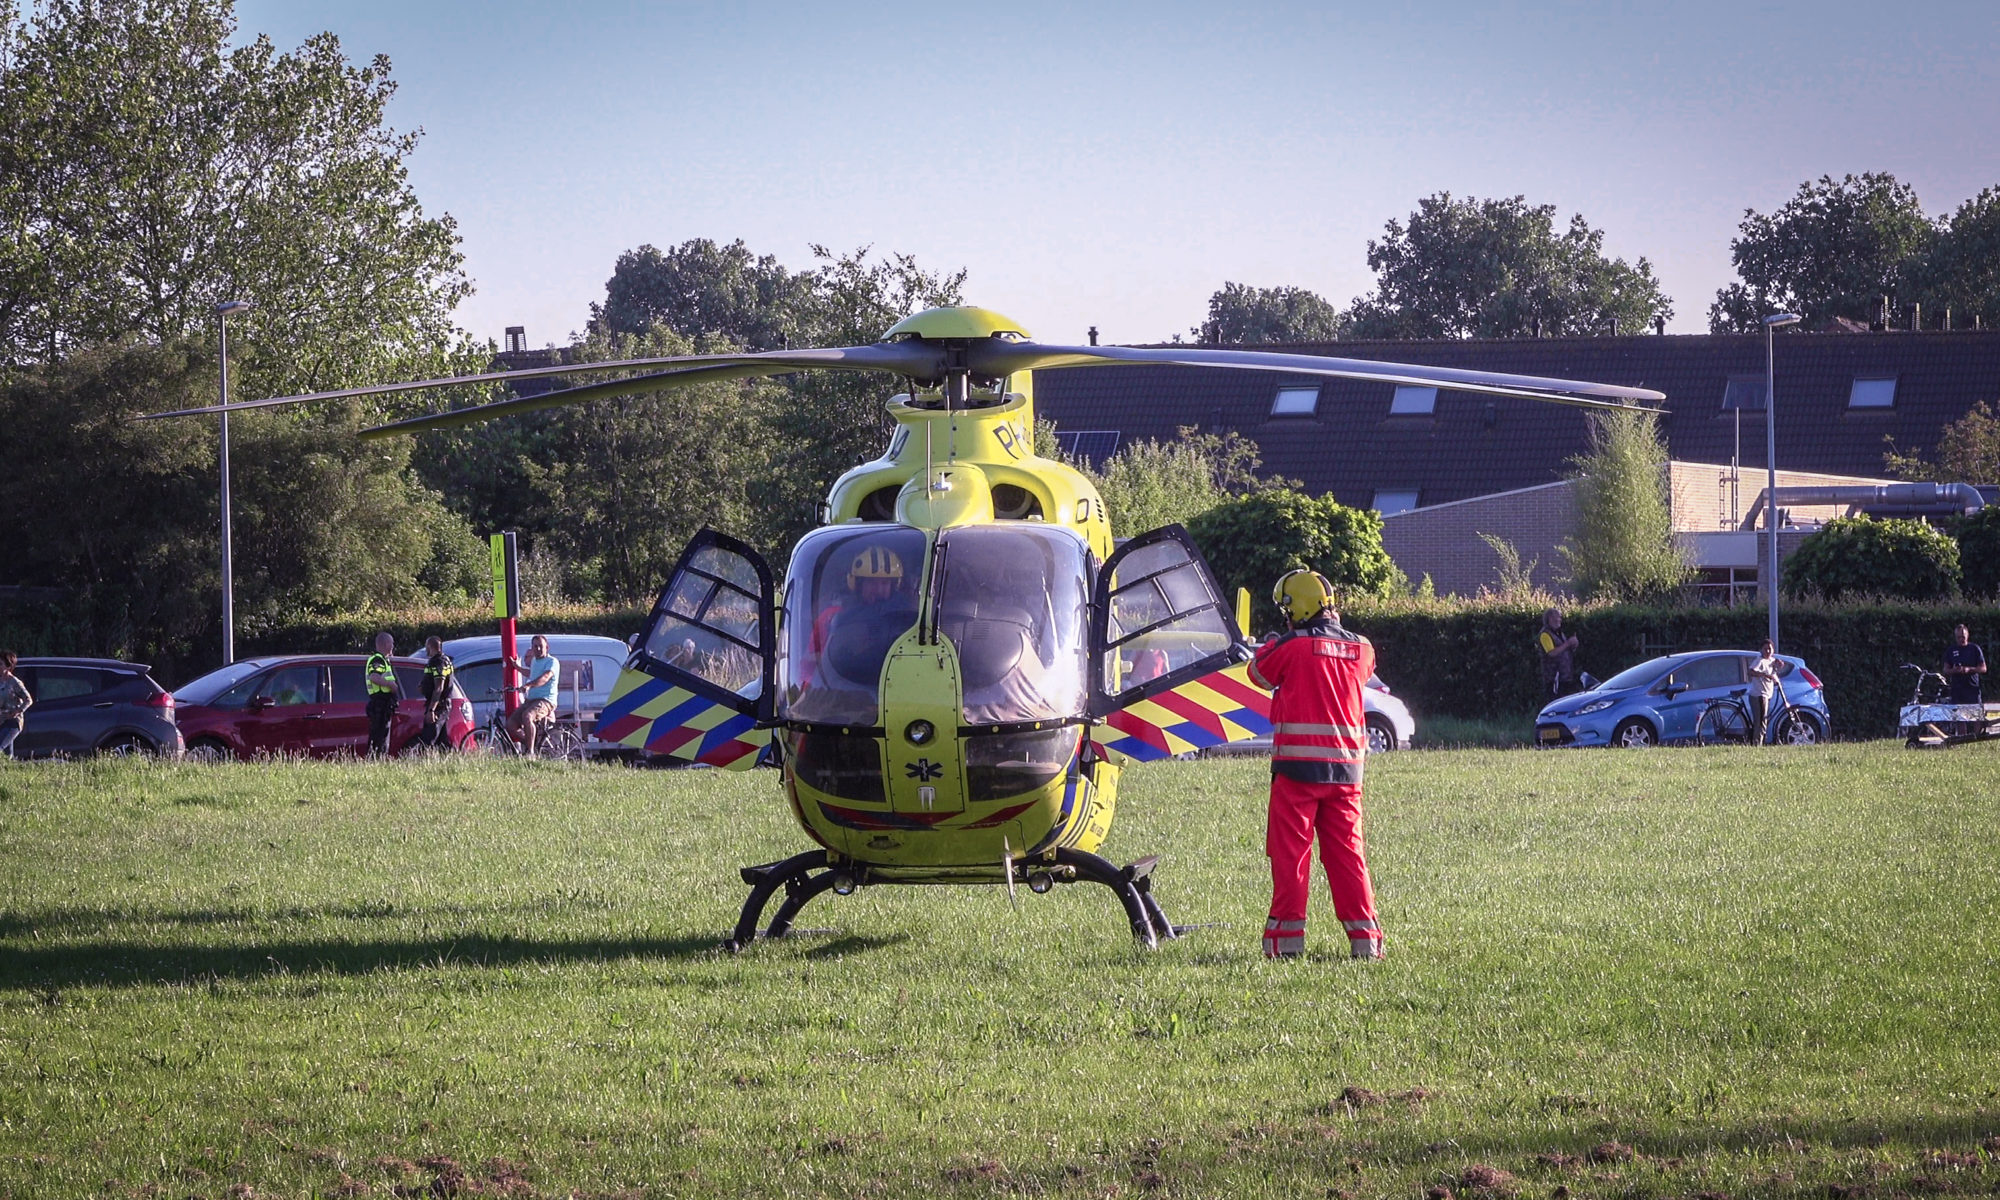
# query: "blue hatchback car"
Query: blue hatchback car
{"points": [[1661, 699]]}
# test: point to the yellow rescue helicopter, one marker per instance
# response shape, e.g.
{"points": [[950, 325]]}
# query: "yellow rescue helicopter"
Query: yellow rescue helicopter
{"points": [[960, 658]]}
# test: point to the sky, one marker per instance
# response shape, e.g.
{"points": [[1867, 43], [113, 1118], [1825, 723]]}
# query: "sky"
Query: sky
{"points": [[1115, 164]]}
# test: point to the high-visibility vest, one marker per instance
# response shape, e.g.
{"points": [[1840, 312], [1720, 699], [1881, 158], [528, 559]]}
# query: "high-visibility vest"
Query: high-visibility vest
{"points": [[378, 664], [1319, 729]]}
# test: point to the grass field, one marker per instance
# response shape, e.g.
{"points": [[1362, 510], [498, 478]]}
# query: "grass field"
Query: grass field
{"points": [[1745, 973]]}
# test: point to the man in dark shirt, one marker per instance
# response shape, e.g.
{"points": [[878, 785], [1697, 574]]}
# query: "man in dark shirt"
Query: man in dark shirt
{"points": [[1964, 663], [437, 694]]}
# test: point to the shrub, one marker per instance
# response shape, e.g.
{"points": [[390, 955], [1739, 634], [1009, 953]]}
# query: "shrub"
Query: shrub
{"points": [[1860, 556], [1979, 553], [1250, 542]]}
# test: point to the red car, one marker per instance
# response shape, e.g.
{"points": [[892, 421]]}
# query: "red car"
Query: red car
{"points": [[303, 704]]}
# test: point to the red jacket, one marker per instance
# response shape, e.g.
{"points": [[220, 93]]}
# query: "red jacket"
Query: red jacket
{"points": [[1319, 732]]}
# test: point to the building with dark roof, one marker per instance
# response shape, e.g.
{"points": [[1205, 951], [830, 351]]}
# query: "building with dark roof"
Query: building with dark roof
{"points": [[1373, 445]]}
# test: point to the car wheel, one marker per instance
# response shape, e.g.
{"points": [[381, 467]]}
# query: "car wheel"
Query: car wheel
{"points": [[1798, 729], [1381, 736], [1633, 734], [126, 745], [209, 750]]}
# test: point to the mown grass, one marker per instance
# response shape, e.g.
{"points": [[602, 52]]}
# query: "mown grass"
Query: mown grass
{"points": [[1752, 972]]}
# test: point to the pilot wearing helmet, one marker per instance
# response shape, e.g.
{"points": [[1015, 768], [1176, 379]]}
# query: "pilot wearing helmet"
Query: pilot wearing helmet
{"points": [[852, 637], [1319, 739]]}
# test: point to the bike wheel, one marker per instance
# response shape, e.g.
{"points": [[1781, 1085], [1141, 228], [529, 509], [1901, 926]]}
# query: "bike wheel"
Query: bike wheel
{"points": [[560, 743], [1723, 724], [494, 739]]}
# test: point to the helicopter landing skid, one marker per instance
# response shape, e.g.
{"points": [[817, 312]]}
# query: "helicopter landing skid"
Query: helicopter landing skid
{"points": [[806, 876]]}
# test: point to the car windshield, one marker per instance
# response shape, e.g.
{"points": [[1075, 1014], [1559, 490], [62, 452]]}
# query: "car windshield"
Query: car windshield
{"points": [[213, 684], [849, 595], [1639, 676], [1011, 601]]}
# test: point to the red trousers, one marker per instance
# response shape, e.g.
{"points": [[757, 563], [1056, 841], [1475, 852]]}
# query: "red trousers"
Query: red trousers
{"points": [[1334, 809]]}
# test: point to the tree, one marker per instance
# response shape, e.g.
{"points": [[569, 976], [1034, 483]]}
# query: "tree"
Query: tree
{"points": [[1498, 268], [1979, 553], [620, 485], [1832, 250], [1961, 272], [1860, 556], [1968, 451], [703, 292], [1250, 542], [148, 171], [122, 514], [828, 420], [1624, 546], [1241, 315], [1147, 484]]}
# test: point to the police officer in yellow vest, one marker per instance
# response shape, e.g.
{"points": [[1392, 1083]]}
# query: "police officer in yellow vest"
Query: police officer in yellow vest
{"points": [[381, 693]]}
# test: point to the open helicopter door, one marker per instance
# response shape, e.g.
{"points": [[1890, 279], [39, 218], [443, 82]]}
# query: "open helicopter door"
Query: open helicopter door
{"points": [[698, 684], [1165, 652]]}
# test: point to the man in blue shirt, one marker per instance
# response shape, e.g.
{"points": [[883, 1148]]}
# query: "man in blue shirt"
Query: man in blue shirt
{"points": [[538, 707], [1964, 663]]}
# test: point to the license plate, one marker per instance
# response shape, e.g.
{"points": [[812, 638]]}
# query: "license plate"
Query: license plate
{"points": [[1551, 734]]}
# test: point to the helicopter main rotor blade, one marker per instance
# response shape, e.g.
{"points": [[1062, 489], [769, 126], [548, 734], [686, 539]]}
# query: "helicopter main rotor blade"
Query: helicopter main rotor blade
{"points": [[1002, 358], [911, 358]]}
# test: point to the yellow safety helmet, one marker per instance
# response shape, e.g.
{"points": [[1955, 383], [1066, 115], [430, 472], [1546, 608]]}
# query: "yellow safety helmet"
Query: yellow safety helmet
{"points": [[876, 562], [1302, 595]]}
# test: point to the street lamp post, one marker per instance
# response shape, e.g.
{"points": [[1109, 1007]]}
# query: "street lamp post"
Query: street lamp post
{"points": [[1771, 323], [222, 314]]}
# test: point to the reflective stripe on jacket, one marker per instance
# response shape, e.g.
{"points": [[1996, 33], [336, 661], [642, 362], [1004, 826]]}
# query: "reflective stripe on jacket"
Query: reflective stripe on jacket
{"points": [[378, 664], [1319, 733]]}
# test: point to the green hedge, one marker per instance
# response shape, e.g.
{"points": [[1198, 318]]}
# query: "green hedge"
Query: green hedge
{"points": [[1479, 660], [356, 634]]}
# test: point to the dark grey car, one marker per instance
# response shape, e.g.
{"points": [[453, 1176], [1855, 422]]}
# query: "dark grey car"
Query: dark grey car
{"points": [[95, 705]]}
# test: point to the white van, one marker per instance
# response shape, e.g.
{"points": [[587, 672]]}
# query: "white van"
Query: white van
{"points": [[590, 666]]}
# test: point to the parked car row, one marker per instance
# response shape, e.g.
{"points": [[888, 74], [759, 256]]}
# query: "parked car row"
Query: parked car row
{"points": [[317, 704]]}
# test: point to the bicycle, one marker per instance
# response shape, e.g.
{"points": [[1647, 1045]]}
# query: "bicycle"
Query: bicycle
{"points": [[1931, 721], [561, 739], [1725, 720]]}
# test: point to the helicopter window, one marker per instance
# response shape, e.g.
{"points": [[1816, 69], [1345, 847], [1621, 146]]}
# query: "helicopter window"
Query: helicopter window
{"points": [[879, 505], [1012, 502], [708, 622], [1013, 601], [850, 594], [1164, 615]]}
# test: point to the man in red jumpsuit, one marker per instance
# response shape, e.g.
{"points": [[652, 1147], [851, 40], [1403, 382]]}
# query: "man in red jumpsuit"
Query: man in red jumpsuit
{"points": [[1318, 740]]}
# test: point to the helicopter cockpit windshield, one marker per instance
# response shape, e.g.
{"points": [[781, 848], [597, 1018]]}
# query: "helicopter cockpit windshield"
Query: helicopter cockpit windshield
{"points": [[851, 593], [1012, 601]]}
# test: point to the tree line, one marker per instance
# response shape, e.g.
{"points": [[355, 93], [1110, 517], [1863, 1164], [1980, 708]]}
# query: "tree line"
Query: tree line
{"points": [[150, 170]]}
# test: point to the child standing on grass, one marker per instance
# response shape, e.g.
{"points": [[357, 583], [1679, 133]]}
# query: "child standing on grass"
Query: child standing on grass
{"points": [[14, 703]]}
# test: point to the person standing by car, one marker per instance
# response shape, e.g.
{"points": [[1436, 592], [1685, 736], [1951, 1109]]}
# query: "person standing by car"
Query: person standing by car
{"points": [[1763, 685], [1558, 657], [14, 703], [538, 706], [1319, 740], [437, 693], [1964, 663], [381, 679]]}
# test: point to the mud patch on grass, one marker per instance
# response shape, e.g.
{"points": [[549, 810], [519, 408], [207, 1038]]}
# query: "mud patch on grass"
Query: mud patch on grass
{"points": [[1353, 1099], [1482, 1180], [1612, 1152]]}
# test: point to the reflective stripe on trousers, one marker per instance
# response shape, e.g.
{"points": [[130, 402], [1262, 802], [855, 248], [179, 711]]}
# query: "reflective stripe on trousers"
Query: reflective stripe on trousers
{"points": [[1284, 937]]}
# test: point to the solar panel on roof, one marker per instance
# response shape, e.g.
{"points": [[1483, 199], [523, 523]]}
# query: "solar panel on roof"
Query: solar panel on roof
{"points": [[1090, 445]]}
